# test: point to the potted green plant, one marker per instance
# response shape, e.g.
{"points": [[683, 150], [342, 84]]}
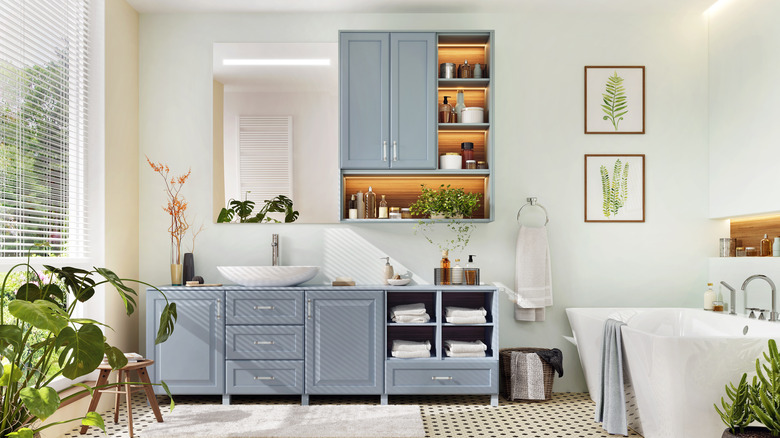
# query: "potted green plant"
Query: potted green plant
{"points": [[759, 401], [243, 209], [449, 206], [41, 339]]}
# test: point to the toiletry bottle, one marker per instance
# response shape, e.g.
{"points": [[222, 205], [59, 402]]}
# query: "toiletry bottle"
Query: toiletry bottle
{"points": [[353, 208], [361, 205], [459, 107], [477, 71], [388, 273], [383, 208], [445, 268], [776, 247], [445, 111], [457, 273], [765, 249], [466, 154], [370, 204], [470, 273], [464, 70], [709, 297]]}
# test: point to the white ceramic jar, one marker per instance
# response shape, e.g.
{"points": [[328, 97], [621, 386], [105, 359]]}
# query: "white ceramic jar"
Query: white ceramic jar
{"points": [[450, 160], [473, 114]]}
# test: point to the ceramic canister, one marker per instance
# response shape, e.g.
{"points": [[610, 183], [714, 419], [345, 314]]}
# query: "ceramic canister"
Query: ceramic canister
{"points": [[473, 114], [450, 160], [447, 70]]}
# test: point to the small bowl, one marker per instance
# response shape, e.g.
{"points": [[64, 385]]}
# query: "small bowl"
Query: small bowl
{"points": [[398, 281]]}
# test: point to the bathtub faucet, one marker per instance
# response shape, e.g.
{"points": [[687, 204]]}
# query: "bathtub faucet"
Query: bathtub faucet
{"points": [[733, 302], [773, 315]]}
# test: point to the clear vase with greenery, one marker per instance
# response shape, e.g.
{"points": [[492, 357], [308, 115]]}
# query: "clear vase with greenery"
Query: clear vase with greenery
{"points": [[42, 339], [448, 206]]}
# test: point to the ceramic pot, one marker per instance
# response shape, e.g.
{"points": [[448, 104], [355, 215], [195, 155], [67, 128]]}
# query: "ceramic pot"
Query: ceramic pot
{"points": [[750, 432], [176, 274]]}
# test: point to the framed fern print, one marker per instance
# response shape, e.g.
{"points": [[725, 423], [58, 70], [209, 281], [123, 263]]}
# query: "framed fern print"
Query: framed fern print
{"points": [[614, 99], [614, 188]]}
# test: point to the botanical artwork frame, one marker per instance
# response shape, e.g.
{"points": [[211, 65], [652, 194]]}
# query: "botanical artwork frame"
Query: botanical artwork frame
{"points": [[609, 201], [614, 99]]}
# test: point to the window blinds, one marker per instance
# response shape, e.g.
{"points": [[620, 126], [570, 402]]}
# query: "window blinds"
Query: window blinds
{"points": [[44, 87], [265, 157]]}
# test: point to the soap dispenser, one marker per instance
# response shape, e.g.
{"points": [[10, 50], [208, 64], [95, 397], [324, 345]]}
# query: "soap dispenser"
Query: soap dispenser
{"points": [[709, 297], [445, 111], [388, 274], [470, 273]]}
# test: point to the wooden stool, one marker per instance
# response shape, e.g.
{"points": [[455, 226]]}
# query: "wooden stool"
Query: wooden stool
{"points": [[124, 376]]}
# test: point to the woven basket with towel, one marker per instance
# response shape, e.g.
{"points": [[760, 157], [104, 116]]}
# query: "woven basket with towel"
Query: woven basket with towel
{"points": [[520, 384]]}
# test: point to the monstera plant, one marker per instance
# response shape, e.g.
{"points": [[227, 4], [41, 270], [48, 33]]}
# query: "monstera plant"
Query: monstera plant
{"points": [[41, 339]]}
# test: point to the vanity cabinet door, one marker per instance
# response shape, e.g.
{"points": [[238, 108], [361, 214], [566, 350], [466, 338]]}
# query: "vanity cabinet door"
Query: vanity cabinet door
{"points": [[344, 332], [192, 360], [364, 92]]}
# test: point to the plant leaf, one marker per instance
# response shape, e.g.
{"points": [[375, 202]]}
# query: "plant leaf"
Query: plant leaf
{"points": [[11, 373], [41, 314], [168, 391], [225, 216], [115, 356], [10, 335], [125, 292], [94, 419], [82, 350], [41, 403], [28, 292], [167, 321], [22, 433]]}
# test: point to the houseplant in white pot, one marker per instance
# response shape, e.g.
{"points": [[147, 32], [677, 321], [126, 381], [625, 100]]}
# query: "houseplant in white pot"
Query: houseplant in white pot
{"points": [[449, 206]]}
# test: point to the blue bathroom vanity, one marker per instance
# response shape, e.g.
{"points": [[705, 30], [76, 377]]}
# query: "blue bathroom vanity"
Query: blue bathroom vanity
{"points": [[310, 340]]}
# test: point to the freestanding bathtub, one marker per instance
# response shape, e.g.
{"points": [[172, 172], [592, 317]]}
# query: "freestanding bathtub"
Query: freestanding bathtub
{"points": [[677, 361]]}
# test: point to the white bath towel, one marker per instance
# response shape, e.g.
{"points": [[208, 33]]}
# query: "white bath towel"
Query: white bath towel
{"points": [[409, 309], [409, 319], [410, 354], [401, 345], [611, 403], [527, 381], [533, 277], [465, 346], [476, 319], [464, 311], [465, 354]]}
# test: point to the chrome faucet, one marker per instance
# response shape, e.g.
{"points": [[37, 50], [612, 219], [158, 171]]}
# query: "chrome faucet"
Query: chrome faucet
{"points": [[275, 250], [733, 302], [773, 314]]}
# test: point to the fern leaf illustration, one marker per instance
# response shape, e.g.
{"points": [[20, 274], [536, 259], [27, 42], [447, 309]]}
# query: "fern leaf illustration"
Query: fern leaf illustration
{"points": [[615, 104], [605, 191], [615, 189], [624, 186]]}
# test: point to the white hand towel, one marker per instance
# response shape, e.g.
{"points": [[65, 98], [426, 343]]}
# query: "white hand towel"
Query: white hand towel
{"points": [[410, 354], [409, 309], [465, 346], [401, 345], [464, 311], [408, 319], [476, 319], [533, 276], [466, 354]]}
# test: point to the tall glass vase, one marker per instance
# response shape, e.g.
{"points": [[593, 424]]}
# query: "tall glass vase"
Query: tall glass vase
{"points": [[177, 269]]}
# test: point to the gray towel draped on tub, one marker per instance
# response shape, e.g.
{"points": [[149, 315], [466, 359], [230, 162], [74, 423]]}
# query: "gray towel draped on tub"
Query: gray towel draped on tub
{"points": [[611, 403]]}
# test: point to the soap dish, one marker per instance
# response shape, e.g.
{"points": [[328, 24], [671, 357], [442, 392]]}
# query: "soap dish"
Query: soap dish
{"points": [[398, 281]]}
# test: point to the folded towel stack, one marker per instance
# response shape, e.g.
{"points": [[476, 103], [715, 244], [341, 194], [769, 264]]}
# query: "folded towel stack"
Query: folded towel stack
{"points": [[409, 313], [411, 349], [464, 315], [464, 348]]}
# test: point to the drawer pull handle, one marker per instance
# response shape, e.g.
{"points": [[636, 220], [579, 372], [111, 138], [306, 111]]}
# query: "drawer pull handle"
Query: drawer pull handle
{"points": [[219, 305], [264, 307], [265, 378], [308, 309], [264, 342], [441, 378]]}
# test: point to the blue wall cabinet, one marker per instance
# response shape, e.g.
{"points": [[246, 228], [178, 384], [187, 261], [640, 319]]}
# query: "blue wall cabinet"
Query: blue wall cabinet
{"points": [[388, 100], [344, 333], [192, 360]]}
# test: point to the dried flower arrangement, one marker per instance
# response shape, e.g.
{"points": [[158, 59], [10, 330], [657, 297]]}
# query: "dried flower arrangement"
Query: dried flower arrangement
{"points": [[176, 207]]}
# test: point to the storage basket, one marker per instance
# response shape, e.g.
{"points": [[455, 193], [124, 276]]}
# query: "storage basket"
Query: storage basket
{"points": [[505, 364]]}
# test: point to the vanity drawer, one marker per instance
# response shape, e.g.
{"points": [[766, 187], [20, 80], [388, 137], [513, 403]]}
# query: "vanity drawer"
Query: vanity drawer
{"points": [[264, 342], [264, 377], [441, 377], [264, 307]]}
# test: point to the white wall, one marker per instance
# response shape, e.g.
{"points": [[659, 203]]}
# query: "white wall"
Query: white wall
{"points": [[315, 118], [539, 152], [744, 90]]}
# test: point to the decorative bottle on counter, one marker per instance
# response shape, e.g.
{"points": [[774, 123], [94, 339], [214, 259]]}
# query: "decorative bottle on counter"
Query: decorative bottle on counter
{"points": [[467, 154], [370, 204], [445, 268], [776, 247], [709, 297], [383, 208], [353, 208], [765, 249], [457, 273]]}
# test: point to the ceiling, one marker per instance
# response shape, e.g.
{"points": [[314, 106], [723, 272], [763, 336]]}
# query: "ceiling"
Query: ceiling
{"points": [[420, 6]]}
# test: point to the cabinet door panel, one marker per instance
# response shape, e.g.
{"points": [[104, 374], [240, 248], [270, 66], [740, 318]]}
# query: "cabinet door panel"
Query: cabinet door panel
{"points": [[192, 360], [413, 105], [364, 83], [343, 343]]}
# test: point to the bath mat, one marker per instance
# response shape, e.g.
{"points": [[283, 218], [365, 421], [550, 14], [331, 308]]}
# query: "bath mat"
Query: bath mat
{"points": [[260, 421]]}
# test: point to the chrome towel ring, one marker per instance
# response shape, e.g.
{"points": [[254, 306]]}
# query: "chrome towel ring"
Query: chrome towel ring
{"points": [[532, 202]]}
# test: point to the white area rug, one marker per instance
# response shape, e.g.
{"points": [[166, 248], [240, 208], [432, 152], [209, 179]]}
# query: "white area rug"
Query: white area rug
{"points": [[260, 421]]}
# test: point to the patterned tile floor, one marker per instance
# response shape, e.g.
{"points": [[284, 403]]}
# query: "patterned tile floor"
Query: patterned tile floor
{"points": [[566, 415]]}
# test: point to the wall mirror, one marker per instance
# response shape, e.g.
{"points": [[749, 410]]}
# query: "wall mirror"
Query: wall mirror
{"points": [[276, 127]]}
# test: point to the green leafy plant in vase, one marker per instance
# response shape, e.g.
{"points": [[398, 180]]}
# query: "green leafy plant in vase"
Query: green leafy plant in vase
{"points": [[449, 206], [41, 339]]}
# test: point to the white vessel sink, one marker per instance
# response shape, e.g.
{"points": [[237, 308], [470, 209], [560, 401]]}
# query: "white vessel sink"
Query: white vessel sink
{"points": [[268, 275]]}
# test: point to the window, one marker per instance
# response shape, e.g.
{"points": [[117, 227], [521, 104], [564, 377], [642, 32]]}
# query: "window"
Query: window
{"points": [[43, 127]]}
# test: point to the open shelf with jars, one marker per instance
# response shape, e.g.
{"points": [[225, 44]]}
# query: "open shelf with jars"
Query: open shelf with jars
{"points": [[402, 186]]}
